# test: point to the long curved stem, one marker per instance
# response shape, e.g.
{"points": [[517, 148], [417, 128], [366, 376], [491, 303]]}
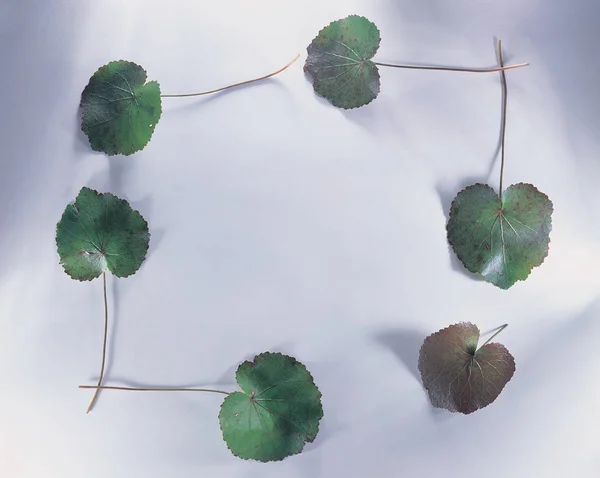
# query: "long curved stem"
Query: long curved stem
{"points": [[500, 329], [91, 405], [235, 84], [504, 103], [136, 389], [447, 68]]}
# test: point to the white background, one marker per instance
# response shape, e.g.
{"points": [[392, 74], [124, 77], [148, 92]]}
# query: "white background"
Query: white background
{"points": [[282, 223]]}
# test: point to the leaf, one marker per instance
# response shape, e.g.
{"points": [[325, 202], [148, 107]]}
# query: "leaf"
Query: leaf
{"points": [[119, 110], [277, 411], [500, 239], [339, 61], [101, 232], [456, 375]]}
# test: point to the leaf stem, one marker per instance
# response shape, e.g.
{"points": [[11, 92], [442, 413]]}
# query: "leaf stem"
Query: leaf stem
{"points": [[500, 329], [91, 405], [138, 389], [235, 84], [504, 103], [446, 68]]}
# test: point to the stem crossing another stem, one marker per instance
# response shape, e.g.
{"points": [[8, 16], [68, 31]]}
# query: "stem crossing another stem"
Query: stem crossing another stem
{"points": [[235, 84], [91, 405]]}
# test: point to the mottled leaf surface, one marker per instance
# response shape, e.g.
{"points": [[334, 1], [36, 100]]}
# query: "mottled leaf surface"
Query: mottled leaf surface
{"points": [[276, 413], [339, 62], [101, 232], [503, 240], [119, 110], [456, 375]]}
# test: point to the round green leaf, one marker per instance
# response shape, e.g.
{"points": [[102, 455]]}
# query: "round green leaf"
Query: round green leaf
{"points": [[339, 61], [119, 110], [456, 375], [500, 239], [101, 232], [276, 413]]}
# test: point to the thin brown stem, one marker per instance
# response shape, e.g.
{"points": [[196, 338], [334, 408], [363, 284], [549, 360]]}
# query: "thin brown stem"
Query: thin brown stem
{"points": [[504, 103], [137, 389], [500, 329], [91, 405], [447, 68], [235, 84]]}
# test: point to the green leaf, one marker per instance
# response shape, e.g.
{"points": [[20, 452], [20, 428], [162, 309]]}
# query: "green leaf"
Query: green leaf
{"points": [[456, 375], [500, 239], [119, 109], [339, 61], [277, 411], [101, 232]]}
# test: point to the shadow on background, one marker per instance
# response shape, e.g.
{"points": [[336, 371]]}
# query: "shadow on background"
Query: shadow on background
{"points": [[447, 192], [125, 382], [378, 118], [187, 103], [405, 344], [559, 347], [33, 86], [115, 181], [81, 143], [564, 34]]}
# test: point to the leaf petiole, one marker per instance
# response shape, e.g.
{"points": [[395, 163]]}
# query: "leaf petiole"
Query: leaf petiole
{"points": [[91, 405], [138, 389], [504, 104], [445, 68], [235, 84], [500, 329]]}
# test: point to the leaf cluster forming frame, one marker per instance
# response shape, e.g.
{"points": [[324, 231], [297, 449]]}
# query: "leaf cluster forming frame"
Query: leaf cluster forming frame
{"points": [[119, 112]]}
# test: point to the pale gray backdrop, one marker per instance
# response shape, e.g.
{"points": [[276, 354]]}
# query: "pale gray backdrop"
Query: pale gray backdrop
{"points": [[281, 223]]}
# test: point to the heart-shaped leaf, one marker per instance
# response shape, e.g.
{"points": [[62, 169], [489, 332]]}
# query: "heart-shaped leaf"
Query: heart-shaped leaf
{"points": [[339, 61], [276, 413], [501, 239], [458, 376], [101, 232], [119, 110]]}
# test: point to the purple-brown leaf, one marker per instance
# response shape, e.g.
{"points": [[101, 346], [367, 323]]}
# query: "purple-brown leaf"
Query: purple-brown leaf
{"points": [[458, 376]]}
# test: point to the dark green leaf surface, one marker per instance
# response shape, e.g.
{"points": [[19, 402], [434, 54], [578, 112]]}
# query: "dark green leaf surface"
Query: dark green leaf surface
{"points": [[339, 61], [501, 240], [101, 232], [119, 109], [459, 378], [277, 411]]}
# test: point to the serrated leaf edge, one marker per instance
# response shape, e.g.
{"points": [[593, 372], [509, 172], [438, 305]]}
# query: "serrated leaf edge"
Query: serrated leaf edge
{"points": [[145, 83], [311, 380], [543, 258], [376, 68], [128, 204], [422, 355], [514, 367]]}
